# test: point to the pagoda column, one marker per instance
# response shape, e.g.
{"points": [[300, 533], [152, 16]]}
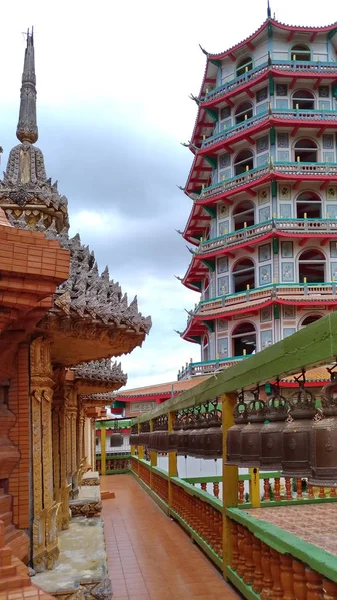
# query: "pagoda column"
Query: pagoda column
{"points": [[80, 434], [45, 547], [62, 487]]}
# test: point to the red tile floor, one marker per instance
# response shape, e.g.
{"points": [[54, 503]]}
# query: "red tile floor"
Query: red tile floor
{"points": [[150, 557]]}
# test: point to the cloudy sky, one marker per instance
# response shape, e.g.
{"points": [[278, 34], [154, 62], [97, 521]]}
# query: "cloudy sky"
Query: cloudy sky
{"points": [[113, 81]]}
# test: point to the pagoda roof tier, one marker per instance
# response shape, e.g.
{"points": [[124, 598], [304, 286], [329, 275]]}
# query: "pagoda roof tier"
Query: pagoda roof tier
{"points": [[249, 83], [248, 182], [199, 175], [198, 223], [303, 229], [291, 119], [91, 319], [252, 301], [157, 393], [98, 376]]}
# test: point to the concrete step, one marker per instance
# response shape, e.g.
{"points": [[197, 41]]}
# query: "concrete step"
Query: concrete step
{"points": [[6, 518], [19, 544], [10, 533], [5, 503]]}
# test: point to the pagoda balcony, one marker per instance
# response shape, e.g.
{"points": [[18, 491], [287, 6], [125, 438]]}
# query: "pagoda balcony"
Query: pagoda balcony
{"points": [[261, 231], [282, 68], [225, 307], [274, 116], [208, 367], [318, 171]]}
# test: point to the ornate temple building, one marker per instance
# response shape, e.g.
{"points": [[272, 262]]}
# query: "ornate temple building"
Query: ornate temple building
{"points": [[263, 186], [61, 322]]}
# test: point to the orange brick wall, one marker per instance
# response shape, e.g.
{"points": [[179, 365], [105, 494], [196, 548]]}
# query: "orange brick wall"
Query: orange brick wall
{"points": [[18, 403]]}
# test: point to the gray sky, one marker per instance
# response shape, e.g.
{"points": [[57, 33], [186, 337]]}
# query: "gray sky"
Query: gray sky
{"points": [[113, 81]]}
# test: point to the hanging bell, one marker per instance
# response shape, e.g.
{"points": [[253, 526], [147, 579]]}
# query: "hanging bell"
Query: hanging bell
{"points": [[234, 432], [271, 432], [182, 446], [251, 433], [296, 434], [213, 442], [323, 439], [193, 434], [116, 438], [199, 446]]}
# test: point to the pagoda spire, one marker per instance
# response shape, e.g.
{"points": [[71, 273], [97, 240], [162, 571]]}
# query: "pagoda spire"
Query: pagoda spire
{"points": [[268, 10], [27, 131]]}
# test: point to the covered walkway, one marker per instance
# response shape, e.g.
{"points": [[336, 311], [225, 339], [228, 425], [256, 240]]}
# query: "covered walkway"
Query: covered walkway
{"points": [[150, 557]]}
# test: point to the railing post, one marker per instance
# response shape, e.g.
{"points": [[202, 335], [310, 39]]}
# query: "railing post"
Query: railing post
{"points": [[254, 487], [229, 481], [172, 460], [103, 450], [153, 457]]}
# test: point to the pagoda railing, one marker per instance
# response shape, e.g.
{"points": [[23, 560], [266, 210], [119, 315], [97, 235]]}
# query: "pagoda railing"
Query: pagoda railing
{"points": [[319, 291], [232, 239], [208, 367], [303, 169], [115, 463], [276, 113], [290, 66]]}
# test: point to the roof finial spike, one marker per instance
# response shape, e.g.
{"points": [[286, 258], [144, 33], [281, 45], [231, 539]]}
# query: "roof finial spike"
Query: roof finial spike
{"points": [[268, 10], [27, 131]]}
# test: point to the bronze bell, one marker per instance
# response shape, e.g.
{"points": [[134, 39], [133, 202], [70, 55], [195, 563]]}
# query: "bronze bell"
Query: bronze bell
{"points": [[323, 439], [197, 419], [234, 432], [153, 440], [173, 437], [271, 432], [116, 438], [162, 441], [296, 434], [199, 449], [213, 442], [182, 445], [251, 433]]}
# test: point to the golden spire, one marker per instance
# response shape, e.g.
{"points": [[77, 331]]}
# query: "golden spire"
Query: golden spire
{"points": [[27, 131]]}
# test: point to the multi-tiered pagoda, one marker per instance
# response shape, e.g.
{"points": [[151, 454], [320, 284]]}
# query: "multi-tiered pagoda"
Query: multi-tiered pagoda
{"points": [[263, 185]]}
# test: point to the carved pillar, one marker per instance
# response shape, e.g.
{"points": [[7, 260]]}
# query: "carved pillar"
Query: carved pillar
{"points": [[80, 434], [93, 444], [45, 548], [61, 486]]}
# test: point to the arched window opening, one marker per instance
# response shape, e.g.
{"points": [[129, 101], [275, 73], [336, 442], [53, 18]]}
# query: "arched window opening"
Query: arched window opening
{"points": [[206, 289], [243, 112], [244, 339], [244, 275], [300, 52], [245, 65], [310, 319], [308, 206], [311, 267], [243, 215], [305, 150], [243, 162], [303, 100], [205, 352]]}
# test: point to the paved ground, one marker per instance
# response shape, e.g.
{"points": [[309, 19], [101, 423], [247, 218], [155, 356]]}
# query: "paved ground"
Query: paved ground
{"points": [[150, 557]]}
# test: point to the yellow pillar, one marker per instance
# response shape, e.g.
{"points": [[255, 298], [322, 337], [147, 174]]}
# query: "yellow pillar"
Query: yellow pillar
{"points": [[254, 487], [103, 450], [140, 448], [229, 480], [172, 459]]}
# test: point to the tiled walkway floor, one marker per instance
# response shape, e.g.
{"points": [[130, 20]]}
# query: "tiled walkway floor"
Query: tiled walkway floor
{"points": [[150, 556]]}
